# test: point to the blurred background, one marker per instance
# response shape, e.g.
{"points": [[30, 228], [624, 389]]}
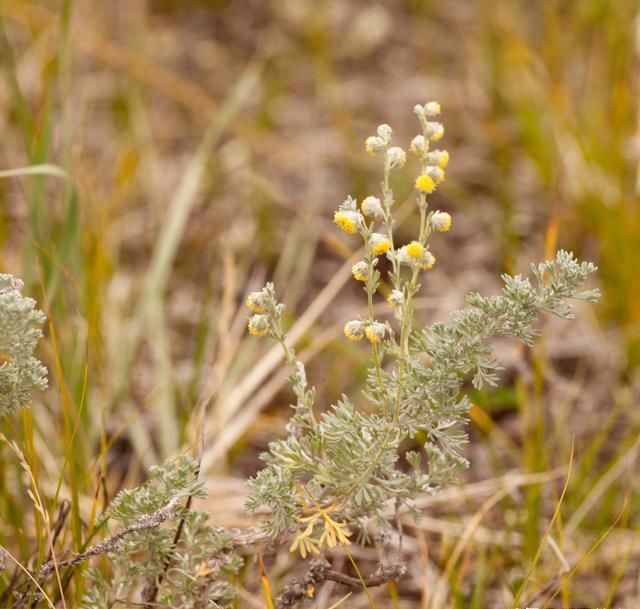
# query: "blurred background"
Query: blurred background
{"points": [[191, 150]]}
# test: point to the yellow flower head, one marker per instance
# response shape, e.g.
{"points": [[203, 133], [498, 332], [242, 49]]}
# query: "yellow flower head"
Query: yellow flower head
{"points": [[348, 221], [255, 302], [354, 330], [414, 249], [441, 221], [379, 243], [258, 325], [360, 271], [425, 184], [375, 332]]}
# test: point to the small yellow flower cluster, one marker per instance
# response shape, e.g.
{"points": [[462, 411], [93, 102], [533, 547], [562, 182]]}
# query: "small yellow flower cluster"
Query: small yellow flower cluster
{"points": [[356, 330], [394, 155], [435, 161], [257, 303], [416, 255], [333, 533]]}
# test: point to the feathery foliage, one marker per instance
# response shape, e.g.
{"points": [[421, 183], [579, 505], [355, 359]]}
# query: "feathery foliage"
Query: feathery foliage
{"points": [[20, 329]]}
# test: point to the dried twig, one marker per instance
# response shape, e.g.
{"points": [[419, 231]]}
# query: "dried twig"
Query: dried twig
{"points": [[320, 570], [108, 545]]}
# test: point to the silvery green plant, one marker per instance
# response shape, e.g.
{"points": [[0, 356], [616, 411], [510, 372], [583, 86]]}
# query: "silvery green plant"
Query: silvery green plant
{"points": [[341, 466], [20, 329], [183, 570]]}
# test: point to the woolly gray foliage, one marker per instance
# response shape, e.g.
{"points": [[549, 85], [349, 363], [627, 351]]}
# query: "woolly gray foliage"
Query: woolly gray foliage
{"points": [[20, 329], [192, 573], [352, 457]]}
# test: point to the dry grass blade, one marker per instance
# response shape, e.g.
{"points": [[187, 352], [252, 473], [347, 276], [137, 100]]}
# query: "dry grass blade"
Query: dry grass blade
{"points": [[228, 431], [28, 574], [150, 314], [45, 169], [547, 533], [39, 507], [265, 581], [170, 83], [438, 598], [627, 460]]}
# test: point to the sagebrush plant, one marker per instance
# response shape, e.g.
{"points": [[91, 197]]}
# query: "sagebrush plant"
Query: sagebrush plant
{"points": [[174, 571], [347, 461], [20, 330], [331, 481]]}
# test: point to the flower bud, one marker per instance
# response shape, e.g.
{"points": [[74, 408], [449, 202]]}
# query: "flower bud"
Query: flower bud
{"points": [[348, 221], [360, 271], [432, 108], [372, 207], [427, 260], [379, 243], [354, 330], [435, 131], [385, 132], [435, 173], [417, 145], [376, 332], [441, 221], [256, 302], [396, 156], [258, 325], [374, 144], [439, 158], [396, 298]]}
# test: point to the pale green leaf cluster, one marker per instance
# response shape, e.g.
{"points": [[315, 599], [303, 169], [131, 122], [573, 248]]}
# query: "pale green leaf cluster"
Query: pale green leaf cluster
{"points": [[191, 573], [20, 329]]}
